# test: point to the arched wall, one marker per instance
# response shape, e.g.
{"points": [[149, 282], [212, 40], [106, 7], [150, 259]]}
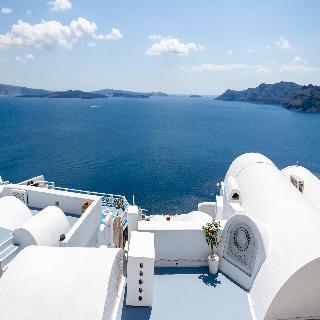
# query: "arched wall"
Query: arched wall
{"points": [[269, 197], [243, 250], [297, 297]]}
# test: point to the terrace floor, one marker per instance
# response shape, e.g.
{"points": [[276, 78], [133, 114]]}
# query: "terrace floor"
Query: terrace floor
{"points": [[191, 294]]}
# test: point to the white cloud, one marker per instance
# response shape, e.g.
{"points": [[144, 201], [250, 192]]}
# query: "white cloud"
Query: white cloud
{"points": [[115, 34], [170, 45], [60, 5], [28, 12], [297, 68], [298, 59], [249, 51], [229, 67], [230, 52], [263, 70], [30, 56], [92, 44], [52, 33], [5, 10], [27, 57], [267, 46], [155, 37], [282, 43]]}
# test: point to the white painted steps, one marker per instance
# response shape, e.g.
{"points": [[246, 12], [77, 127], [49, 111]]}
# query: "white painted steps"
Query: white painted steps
{"points": [[5, 243], [8, 255]]}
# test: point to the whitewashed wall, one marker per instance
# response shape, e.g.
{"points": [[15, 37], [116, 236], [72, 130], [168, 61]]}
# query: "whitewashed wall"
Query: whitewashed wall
{"points": [[178, 243], [40, 198], [69, 202], [83, 230]]}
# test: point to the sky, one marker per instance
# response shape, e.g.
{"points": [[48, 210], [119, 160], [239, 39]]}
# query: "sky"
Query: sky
{"points": [[174, 46]]}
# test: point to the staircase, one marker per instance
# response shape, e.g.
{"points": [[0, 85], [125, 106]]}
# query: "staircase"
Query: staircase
{"points": [[7, 249]]}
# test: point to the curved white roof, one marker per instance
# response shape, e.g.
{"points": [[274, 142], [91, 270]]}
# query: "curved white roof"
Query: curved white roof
{"points": [[244, 161], [311, 183], [13, 213], [61, 283], [292, 223], [43, 229]]}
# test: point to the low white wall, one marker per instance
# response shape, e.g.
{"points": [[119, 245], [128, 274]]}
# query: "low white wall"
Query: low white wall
{"points": [[208, 207], [83, 230], [69, 202], [177, 243]]}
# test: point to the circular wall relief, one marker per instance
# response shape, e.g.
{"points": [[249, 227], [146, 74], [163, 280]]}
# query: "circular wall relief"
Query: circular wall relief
{"points": [[240, 247], [241, 238]]}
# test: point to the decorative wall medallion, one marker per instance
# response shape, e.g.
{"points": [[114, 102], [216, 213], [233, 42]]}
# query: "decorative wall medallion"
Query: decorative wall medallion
{"points": [[240, 247]]}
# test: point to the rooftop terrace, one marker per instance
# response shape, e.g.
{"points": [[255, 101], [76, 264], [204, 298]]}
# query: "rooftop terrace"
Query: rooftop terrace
{"points": [[189, 294]]}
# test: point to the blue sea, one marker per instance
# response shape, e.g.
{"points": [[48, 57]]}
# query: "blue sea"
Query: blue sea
{"points": [[169, 152]]}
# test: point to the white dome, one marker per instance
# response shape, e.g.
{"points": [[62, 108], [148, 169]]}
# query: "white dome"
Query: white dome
{"points": [[244, 161], [43, 229], [13, 213]]}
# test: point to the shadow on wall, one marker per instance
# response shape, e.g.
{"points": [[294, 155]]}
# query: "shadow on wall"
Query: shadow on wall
{"points": [[210, 279], [138, 313]]}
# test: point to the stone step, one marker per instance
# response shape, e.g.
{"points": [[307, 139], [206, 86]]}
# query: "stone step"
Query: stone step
{"points": [[7, 256]]}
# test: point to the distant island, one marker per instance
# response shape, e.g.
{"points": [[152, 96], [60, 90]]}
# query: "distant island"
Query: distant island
{"points": [[8, 90], [129, 95], [66, 94], [286, 94], [195, 96], [24, 92]]}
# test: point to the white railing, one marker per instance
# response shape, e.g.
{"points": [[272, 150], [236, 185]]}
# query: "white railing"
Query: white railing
{"points": [[108, 199], [43, 184]]}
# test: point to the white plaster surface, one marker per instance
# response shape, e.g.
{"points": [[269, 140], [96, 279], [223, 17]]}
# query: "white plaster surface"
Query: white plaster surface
{"points": [[140, 267], [133, 217], [61, 283], [43, 229], [291, 221], [13, 213], [311, 183], [179, 242]]}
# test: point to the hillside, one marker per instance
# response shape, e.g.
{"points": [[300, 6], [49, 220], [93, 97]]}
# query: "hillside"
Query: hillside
{"points": [[287, 94], [131, 94], [67, 94], [8, 90], [306, 99], [277, 93]]}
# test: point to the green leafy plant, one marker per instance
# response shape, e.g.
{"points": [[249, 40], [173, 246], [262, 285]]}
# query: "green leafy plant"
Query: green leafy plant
{"points": [[211, 230]]}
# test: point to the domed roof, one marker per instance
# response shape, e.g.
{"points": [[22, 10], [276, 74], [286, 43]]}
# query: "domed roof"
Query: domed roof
{"points": [[244, 161]]}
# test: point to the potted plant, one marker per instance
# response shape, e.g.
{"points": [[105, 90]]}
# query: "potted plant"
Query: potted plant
{"points": [[211, 230]]}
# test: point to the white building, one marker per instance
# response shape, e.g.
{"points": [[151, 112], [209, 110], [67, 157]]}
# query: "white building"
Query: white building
{"points": [[271, 247], [270, 250]]}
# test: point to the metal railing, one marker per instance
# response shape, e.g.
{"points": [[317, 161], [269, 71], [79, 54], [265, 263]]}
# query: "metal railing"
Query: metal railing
{"points": [[43, 184], [108, 200]]}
